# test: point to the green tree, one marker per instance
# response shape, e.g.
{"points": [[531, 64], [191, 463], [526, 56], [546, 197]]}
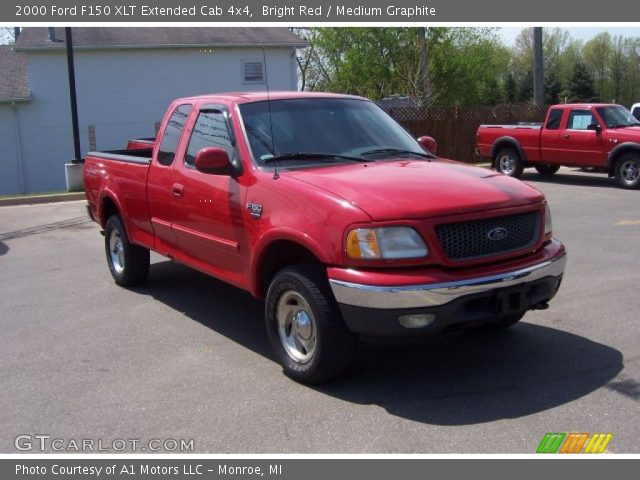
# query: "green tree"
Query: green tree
{"points": [[466, 65], [525, 92], [510, 89], [581, 85], [552, 86], [597, 56]]}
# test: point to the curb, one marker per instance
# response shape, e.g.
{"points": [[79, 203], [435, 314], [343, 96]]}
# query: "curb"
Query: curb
{"points": [[36, 199]]}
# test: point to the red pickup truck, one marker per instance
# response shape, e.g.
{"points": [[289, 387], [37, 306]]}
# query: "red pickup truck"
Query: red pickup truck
{"points": [[327, 208], [601, 136]]}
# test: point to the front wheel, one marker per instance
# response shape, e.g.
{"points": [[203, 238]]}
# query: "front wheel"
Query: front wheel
{"points": [[628, 171], [128, 263], [547, 169], [305, 328], [508, 162]]}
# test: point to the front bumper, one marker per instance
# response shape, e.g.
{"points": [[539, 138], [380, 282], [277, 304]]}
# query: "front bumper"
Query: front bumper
{"points": [[373, 310]]}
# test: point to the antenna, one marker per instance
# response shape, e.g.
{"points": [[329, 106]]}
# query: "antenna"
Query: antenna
{"points": [[276, 175]]}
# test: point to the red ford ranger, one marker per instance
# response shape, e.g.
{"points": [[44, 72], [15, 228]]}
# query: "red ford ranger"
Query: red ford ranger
{"points": [[603, 136], [327, 208]]}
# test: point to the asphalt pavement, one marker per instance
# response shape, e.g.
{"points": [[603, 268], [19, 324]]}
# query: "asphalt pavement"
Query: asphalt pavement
{"points": [[186, 357]]}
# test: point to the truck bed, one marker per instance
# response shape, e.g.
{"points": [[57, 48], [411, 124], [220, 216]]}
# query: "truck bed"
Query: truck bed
{"points": [[129, 155], [527, 135], [123, 172], [141, 143]]}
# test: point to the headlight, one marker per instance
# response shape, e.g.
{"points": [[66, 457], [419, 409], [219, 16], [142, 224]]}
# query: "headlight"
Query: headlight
{"points": [[385, 243], [547, 220]]}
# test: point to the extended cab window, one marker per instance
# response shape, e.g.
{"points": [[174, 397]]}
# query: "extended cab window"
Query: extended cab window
{"points": [[555, 116], [580, 119], [210, 130], [172, 133]]}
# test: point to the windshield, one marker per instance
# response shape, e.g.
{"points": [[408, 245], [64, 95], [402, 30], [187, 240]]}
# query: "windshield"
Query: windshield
{"points": [[617, 116], [331, 126]]}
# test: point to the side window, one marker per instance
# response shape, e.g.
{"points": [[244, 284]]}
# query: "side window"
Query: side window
{"points": [[636, 113], [555, 116], [210, 130], [580, 119], [172, 133]]}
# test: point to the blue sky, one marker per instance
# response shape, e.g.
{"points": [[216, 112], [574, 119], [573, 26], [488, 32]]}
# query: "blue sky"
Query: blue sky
{"points": [[509, 34]]}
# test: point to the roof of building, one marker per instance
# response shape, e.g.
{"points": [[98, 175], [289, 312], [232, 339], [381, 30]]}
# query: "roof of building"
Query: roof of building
{"points": [[90, 38], [14, 84]]}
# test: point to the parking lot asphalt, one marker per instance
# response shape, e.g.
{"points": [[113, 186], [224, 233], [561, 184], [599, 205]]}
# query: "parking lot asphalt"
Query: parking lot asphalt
{"points": [[186, 356]]}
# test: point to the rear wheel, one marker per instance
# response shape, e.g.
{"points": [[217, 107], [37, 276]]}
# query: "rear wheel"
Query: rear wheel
{"points": [[547, 168], [508, 162], [128, 263], [305, 328], [627, 171]]}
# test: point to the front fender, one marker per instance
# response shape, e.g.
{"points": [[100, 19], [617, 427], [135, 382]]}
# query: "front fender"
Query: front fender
{"points": [[615, 153]]}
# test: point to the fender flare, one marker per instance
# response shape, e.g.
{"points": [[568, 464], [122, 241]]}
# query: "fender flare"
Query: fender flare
{"points": [[504, 141], [618, 150], [269, 238], [108, 194]]}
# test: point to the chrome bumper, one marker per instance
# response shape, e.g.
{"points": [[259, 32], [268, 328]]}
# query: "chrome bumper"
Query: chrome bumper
{"points": [[436, 294]]}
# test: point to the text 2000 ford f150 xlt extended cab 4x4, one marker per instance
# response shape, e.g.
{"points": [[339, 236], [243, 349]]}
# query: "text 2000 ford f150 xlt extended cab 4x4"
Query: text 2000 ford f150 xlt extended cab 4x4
{"points": [[326, 207], [601, 136]]}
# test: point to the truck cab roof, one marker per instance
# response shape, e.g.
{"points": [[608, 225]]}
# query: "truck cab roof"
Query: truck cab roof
{"points": [[246, 97]]}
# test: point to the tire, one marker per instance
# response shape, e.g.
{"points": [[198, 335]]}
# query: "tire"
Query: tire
{"points": [[128, 263], [546, 169], [501, 324], [508, 162], [627, 171], [305, 328]]}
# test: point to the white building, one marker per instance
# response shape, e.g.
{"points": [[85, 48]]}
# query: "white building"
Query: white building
{"points": [[125, 78]]}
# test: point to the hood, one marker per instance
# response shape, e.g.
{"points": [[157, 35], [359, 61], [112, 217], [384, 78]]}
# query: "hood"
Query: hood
{"points": [[628, 134], [393, 190]]}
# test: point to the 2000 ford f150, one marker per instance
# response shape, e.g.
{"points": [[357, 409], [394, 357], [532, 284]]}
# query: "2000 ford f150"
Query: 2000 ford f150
{"points": [[326, 207], [601, 136]]}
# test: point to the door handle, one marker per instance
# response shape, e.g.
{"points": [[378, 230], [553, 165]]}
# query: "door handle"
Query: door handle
{"points": [[177, 190], [565, 136]]}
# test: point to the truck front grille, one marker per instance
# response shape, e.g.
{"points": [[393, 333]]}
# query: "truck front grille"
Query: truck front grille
{"points": [[488, 237]]}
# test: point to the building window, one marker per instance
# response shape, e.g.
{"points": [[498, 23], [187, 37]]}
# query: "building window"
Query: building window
{"points": [[252, 71]]}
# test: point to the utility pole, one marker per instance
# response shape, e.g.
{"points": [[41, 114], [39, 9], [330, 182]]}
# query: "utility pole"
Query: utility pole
{"points": [[72, 96], [424, 66], [73, 171], [538, 72]]}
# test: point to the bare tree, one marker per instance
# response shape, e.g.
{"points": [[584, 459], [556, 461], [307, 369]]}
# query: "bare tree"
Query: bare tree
{"points": [[6, 36], [424, 66]]}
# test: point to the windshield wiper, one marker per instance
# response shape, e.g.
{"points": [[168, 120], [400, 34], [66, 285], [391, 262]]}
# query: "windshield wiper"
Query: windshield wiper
{"points": [[311, 155], [397, 151]]}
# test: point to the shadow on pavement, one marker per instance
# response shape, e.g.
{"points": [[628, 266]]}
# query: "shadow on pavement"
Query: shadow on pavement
{"points": [[4, 248], [578, 179], [448, 380]]}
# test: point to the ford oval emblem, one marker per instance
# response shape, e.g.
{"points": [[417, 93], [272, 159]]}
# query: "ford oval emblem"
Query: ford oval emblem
{"points": [[497, 233]]}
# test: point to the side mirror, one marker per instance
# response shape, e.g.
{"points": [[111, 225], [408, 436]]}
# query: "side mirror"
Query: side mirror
{"points": [[213, 160], [428, 144], [594, 126]]}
